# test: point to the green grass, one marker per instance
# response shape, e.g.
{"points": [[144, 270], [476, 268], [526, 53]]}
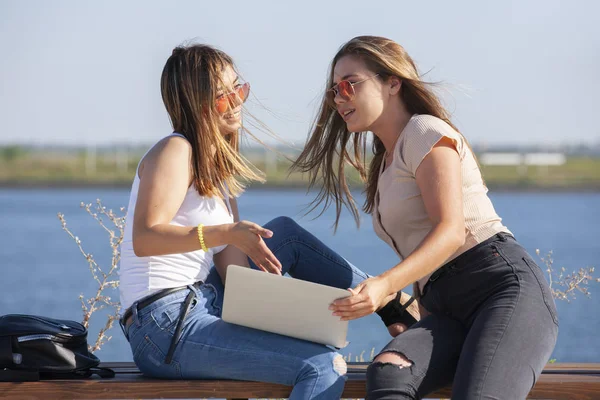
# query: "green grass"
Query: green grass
{"points": [[576, 172], [65, 169]]}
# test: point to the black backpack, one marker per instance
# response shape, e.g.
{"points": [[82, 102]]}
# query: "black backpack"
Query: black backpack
{"points": [[34, 347]]}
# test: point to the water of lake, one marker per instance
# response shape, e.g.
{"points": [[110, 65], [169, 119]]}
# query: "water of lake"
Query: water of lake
{"points": [[43, 271]]}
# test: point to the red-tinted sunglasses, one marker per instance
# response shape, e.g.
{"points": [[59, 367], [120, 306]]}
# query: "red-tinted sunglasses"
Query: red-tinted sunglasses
{"points": [[229, 100], [345, 89]]}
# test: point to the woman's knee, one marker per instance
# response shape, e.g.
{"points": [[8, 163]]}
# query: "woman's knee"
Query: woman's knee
{"points": [[327, 367], [282, 224], [391, 376], [333, 364], [339, 365], [392, 357]]}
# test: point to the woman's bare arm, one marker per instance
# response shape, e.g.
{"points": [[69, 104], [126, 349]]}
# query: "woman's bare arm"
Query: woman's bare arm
{"points": [[231, 254], [440, 181], [165, 177], [164, 180]]}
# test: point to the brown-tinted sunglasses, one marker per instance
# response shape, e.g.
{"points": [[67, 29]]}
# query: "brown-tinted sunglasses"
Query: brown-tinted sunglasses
{"points": [[345, 89]]}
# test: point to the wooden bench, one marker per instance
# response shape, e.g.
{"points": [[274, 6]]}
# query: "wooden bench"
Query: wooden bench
{"points": [[558, 381]]}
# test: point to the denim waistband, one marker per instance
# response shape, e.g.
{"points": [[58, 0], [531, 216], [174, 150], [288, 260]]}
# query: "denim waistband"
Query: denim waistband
{"points": [[471, 255]]}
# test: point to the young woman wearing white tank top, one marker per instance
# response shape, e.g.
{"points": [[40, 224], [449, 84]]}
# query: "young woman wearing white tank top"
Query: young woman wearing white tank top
{"points": [[183, 229]]}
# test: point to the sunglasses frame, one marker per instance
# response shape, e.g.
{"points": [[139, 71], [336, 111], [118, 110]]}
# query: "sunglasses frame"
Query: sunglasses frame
{"points": [[335, 89], [225, 101]]}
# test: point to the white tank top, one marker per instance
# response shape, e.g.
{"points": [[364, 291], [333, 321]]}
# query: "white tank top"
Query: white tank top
{"points": [[143, 276]]}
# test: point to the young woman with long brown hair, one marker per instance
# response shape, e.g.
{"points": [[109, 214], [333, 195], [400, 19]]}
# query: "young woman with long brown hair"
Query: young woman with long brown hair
{"points": [[492, 324], [183, 230]]}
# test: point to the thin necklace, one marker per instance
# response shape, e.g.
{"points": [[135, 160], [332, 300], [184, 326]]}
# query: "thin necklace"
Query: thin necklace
{"points": [[398, 136], [387, 153]]}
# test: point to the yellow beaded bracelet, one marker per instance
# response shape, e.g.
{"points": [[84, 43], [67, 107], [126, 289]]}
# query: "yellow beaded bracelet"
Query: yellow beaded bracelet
{"points": [[201, 238]]}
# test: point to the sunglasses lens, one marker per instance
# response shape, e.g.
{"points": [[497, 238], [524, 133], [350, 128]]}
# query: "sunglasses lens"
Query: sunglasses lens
{"points": [[222, 104], [345, 90], [244, 91], [230, 100]]}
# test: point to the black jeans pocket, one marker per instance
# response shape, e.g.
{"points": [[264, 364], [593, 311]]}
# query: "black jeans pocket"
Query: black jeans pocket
{"points": [[545, 288]]}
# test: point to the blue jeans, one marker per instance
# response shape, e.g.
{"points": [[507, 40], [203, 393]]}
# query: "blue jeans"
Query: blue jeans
{"points": [[210, 348]]}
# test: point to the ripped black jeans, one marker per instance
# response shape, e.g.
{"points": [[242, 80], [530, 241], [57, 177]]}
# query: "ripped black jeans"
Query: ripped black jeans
{"points": [[492, 329]]}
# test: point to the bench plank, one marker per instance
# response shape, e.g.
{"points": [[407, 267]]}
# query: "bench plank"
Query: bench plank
{"points": [[558, 381]]}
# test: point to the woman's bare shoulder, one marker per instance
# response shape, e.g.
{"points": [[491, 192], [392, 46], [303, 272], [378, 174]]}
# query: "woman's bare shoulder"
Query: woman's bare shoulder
{"points": [[171, 149]]}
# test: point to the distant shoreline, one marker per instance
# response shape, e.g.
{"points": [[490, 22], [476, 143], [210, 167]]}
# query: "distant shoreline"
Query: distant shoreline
{"points": [[287, 187]]}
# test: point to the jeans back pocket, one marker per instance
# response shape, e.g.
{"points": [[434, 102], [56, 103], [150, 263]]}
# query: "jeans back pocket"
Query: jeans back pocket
{"points": [[167, 315], [150, 359], [546, 291]]}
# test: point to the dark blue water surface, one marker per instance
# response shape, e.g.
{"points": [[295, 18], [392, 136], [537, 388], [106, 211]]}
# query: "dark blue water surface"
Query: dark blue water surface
{"points": [[43, 272]]}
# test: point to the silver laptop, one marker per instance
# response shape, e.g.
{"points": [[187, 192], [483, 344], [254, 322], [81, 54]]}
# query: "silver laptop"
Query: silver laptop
{"points": [[283, 305]]}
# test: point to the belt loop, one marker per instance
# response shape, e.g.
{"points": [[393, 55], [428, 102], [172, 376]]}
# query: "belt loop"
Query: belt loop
{"points": [[134, 311], [122, 325]]}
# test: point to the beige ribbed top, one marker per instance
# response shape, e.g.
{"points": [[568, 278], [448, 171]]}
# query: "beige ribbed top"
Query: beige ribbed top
{"points": [[399, 216]]}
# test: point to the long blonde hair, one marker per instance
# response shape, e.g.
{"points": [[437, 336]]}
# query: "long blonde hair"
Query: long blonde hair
{"points": [[331, 146], [189, 85]]}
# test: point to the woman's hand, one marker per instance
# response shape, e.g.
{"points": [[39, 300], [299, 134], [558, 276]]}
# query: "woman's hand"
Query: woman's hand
{"points": [[369, 296], [247, 236]]}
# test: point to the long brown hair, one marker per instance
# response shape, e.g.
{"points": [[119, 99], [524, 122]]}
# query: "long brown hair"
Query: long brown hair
{"points": [[189, 85], [331, 146]]}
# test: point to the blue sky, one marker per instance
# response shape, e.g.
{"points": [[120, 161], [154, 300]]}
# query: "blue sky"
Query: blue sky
{"points": [[84, 73]]}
